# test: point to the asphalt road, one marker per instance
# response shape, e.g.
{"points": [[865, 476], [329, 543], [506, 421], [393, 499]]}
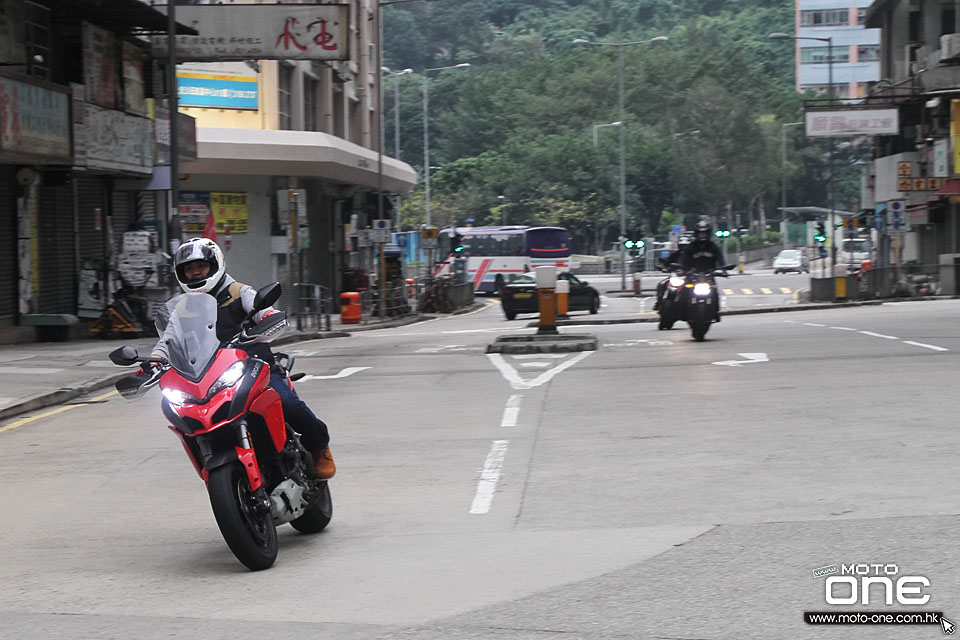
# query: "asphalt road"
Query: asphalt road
{"points": [[656, 488]]}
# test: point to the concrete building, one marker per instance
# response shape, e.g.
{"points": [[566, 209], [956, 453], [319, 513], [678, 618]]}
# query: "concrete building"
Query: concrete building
{"points": [[917, 170], [274, 125], [856, 48]]}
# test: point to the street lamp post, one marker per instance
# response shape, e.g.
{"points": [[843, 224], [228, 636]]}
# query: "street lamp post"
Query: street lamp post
{"points": [[426, 136], [396, 122], [783, 180], [623, 167], [830, 97]]}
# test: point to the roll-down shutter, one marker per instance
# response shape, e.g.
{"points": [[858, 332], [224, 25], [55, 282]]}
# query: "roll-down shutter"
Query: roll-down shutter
{"points": [[8, 245], [57, 250]]}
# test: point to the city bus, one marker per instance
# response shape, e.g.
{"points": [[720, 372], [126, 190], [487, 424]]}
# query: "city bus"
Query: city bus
{"points": [[496, 255]]}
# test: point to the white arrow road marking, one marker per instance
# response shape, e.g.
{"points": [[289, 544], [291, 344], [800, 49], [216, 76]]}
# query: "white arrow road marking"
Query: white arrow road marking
{"points": [[517, 382], [489, 476], [440, 348], [511, 412], [349, 371], [750, 357]]}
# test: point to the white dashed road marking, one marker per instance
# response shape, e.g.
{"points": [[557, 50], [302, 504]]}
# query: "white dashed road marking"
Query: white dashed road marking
{"points": [[489, 476]]}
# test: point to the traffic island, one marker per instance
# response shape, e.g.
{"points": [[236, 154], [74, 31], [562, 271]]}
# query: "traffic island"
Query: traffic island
{"points": [[555, 343]]}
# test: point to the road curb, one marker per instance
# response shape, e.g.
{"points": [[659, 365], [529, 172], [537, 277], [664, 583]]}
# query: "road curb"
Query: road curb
{"points": [[60, 396]]}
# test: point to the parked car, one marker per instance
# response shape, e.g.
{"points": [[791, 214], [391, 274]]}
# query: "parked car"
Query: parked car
{"points": [[791, 260], [520, 295]]}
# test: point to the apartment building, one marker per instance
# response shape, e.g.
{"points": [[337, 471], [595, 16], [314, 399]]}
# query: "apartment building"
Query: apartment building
{"points": [[855, 47]]}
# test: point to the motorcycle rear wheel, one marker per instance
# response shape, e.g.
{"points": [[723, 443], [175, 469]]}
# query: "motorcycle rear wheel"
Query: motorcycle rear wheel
{"points": [[248, 531], [317, 516]]}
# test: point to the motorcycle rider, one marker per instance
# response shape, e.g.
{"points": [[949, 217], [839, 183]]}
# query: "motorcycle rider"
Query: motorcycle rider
{"points": [[673, 258], [200, 268], [703, 255]]}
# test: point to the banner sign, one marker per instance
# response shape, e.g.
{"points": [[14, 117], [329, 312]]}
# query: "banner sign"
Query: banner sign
{"points": [[99, 66], [852, 122], [261, 32], [229, 210], [216, 90], [134, 100], [34, 121], [118, 141]]}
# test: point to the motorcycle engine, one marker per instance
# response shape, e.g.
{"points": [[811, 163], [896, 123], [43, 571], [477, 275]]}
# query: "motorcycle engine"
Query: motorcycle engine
{"points": [[287, 501]]}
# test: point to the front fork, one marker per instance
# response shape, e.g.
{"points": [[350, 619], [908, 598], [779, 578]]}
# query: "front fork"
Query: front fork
{"points": [[247, 456]]}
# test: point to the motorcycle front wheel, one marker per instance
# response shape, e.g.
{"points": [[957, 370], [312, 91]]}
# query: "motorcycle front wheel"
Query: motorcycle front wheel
{"points": [[247, 528], [699, 328]]}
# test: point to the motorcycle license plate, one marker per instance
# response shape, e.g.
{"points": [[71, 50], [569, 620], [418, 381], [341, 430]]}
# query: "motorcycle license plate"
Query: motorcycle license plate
{"points": [[523, 294]]}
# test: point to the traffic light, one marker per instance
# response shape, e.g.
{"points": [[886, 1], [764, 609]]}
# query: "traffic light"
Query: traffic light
{"points": [[633, 246], [457, 243], [723, 230], [821, 235]]}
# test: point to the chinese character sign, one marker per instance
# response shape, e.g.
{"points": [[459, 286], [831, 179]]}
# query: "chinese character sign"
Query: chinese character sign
{"points": [[230, 210], [262, 32], [854, 122]]}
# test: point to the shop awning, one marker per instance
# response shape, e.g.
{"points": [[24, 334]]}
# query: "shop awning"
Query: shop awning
{"points": [[121, 16], [302, 154], [952, 188]]}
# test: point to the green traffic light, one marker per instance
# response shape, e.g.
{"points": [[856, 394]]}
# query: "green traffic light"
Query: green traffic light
{"points": [[638, 244], [628, 244], [458, 249]]}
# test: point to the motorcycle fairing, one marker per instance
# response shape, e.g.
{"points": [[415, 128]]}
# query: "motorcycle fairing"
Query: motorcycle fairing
{"points": [[268, 405]]}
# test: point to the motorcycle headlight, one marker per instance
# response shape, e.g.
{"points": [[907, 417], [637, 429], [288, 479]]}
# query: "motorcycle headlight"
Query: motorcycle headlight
{"points": [[227, 379], [701, 289], [676, 281], [177, 397]]}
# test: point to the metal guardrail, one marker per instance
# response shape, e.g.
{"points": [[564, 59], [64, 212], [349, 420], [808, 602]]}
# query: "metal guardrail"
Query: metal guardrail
{"points": [[316, 303], [444, 295]]}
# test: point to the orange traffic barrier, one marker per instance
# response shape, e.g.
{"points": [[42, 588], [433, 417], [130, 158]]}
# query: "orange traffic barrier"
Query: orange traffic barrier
{"points": [[351, 308], [411, 289]]}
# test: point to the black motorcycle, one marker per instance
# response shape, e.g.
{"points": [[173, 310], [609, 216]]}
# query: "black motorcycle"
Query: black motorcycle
{"points": [[699, 302]]}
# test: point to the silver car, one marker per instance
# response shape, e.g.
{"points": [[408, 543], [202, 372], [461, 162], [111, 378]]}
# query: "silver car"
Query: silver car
{"points": [[791, 260]]}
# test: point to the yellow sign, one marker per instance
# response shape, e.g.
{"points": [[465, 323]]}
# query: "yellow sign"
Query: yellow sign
{"points": [[904, 169], [955, 133], [430, 232], [905, 184], [230, 210]]}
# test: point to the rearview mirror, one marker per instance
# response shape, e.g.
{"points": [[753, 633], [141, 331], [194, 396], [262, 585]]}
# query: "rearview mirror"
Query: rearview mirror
{"points": [[266, 296], [124, 356]]}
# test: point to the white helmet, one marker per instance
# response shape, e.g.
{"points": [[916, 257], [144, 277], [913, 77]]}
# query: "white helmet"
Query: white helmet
{"points": [[200, 249]]}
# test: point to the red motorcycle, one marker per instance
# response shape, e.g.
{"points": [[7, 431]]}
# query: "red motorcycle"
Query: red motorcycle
{"points": [[230, 422]]}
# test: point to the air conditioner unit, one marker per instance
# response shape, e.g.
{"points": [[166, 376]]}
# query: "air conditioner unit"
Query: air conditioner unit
{"points": [[949, 46]]}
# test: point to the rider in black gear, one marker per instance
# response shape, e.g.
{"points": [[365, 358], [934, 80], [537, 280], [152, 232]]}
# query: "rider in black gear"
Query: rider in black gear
{"points": [[703, 255]]}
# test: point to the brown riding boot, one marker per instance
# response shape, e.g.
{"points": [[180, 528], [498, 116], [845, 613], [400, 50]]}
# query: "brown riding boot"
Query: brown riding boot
{"points": [[323, 464]]}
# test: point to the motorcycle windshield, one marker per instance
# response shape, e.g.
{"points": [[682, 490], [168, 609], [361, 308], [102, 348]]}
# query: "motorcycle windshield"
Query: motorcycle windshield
{"points": [[191, 333]]}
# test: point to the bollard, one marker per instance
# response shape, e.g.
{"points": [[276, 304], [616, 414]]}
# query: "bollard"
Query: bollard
{"points": [[410, 287], [563, 298], [351, 308], [546, 298], [636, 283]]}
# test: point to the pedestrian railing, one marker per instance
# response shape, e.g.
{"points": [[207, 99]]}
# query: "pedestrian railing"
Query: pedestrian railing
{"points": [[315, 306]]}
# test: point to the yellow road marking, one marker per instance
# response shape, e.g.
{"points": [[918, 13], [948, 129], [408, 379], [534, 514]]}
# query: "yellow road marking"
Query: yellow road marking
{"points": [[766, 291], [728, 292], [53, 412], [749, 292], [785, 290]]}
